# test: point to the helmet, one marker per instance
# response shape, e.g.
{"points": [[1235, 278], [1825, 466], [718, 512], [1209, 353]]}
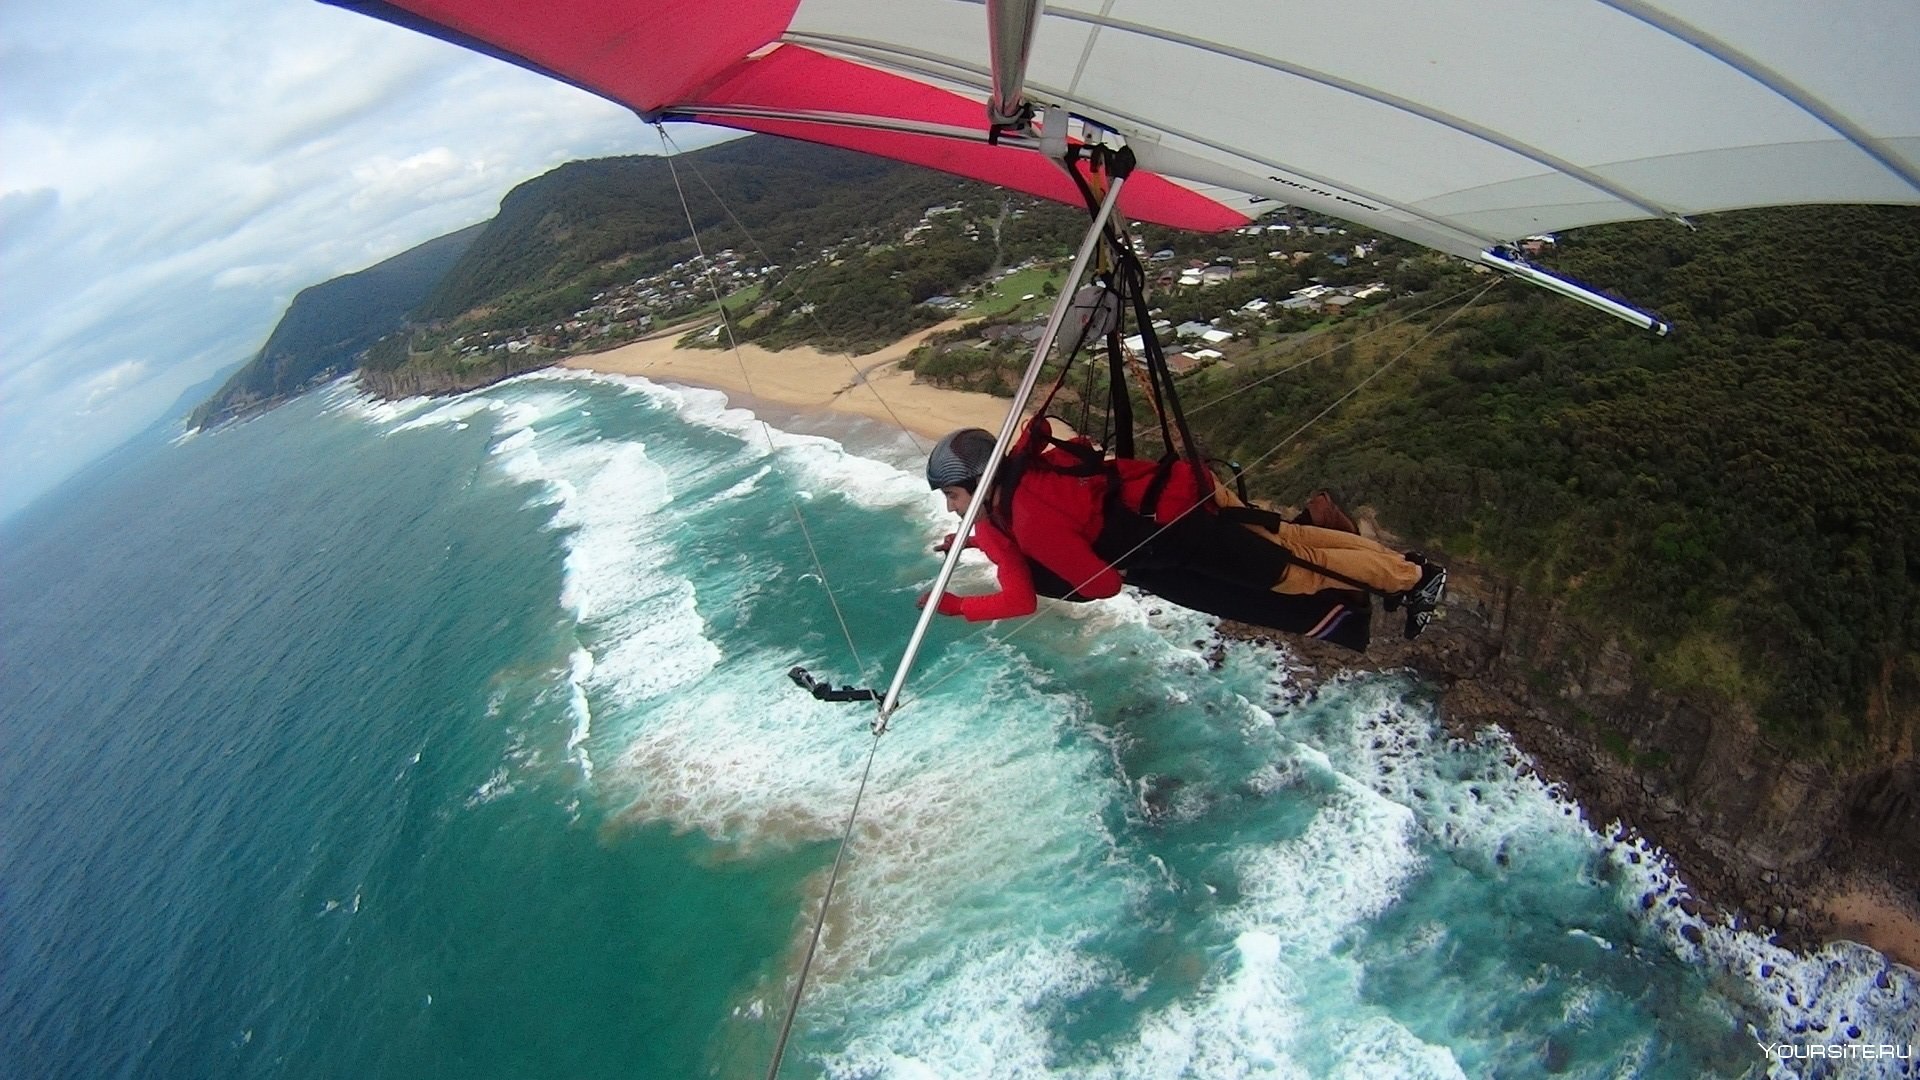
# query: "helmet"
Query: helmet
{"points": [[959, 459]]}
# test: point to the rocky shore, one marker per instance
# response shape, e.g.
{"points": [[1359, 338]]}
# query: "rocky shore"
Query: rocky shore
{"points": [[1803, 850]]}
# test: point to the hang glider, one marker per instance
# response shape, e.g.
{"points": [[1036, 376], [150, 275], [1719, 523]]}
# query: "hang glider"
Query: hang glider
{"points": [[1462, 125]]}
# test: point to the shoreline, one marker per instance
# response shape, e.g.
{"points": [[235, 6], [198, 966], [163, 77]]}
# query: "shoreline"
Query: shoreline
{"points": [[1799, 908], [803, 379], [806, 382]]}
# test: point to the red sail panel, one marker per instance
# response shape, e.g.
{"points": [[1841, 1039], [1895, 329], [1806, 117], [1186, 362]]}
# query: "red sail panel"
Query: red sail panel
{"points": [[643, 55], [797, 78]]}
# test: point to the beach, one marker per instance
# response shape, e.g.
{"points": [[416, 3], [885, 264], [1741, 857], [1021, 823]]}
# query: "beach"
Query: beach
{"points": [[1878, 920], [805, 379]]}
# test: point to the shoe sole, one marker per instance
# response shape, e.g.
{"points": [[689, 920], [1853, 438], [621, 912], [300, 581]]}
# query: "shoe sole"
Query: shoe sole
{"points": [[1429, 595]]}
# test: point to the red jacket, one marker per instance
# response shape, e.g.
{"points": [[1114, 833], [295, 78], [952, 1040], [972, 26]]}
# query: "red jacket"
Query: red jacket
{"points": [[1056, 519]]}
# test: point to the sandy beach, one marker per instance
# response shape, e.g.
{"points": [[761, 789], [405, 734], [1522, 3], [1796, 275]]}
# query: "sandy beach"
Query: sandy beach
{"points": [[1877, 921], [805, 379]]}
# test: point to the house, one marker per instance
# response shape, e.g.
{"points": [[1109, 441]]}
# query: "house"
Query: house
{"points": [[1138, 344], [1255, 307], [1182, 362], [1338, 304], [1217, 337], [1214, 275], [1191, 329]]}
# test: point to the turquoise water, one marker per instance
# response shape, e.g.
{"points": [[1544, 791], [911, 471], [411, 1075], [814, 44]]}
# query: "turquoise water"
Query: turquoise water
{"points": [[452, 739]]}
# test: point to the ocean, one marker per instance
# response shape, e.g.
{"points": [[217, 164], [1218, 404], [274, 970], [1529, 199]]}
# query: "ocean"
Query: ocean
{"points": [[453, 738]]}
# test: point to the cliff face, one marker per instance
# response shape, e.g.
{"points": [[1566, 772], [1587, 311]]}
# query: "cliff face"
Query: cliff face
{"points": [[329, 325], [417, 382], [1762, 835]]}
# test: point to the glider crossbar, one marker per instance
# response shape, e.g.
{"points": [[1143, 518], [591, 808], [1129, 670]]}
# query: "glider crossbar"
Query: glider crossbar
{"points": [[1493, 256], [1573, 290], [696, 111]]}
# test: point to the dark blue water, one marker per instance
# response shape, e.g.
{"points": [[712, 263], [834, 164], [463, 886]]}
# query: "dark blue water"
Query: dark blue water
{"points": [[449, 739]]}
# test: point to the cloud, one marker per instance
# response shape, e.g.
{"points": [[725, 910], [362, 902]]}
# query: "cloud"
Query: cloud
{"points": [[171, 175], [426, 177], [111, 382]]}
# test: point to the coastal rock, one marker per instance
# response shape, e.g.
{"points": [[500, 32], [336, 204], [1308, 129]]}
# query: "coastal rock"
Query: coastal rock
{"points": [[1751, 827]]}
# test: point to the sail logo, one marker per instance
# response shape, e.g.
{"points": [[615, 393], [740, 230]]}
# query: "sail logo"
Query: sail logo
{"points": [[1840, 1051], [1323, 193]]}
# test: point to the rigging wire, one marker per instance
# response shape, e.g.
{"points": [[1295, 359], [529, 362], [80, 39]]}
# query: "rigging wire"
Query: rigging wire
{"points": [[961, 665], [853, 815], [859, 376], [820, 920], [766, 429]]}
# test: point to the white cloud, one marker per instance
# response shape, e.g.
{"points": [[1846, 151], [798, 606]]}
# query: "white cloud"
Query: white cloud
{"points": [[111, 382], [171, 175], [249, 277]]}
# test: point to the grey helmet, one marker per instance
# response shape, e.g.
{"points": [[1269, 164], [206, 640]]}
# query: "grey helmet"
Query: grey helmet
{"points": [[959, 459]]}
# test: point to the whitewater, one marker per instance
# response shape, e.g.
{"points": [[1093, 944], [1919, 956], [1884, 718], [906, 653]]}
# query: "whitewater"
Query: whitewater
{"points": [[452, 737]]}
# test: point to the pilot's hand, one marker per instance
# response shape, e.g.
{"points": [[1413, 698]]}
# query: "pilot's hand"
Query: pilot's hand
{"points": [[949, 603]]}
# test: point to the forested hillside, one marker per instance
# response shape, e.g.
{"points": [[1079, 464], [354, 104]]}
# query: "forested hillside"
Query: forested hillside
{"points": [[1739, 500], [802, 243], [590, 224], [328, 325]]}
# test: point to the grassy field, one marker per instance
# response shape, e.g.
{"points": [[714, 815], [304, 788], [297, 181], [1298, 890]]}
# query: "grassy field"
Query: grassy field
{"points": [[1004, 296]]}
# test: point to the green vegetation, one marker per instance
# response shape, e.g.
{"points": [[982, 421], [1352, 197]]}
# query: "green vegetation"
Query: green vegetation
{"points": [[1737, 502], [590, 224], [871, 294]]}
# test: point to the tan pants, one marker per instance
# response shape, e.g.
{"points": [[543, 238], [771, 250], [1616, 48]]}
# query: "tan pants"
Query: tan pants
{"points": [[1367, 561]]}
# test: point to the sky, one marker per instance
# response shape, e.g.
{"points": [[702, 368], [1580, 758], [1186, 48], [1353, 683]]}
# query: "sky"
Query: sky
{"points": [[172, 174]]}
